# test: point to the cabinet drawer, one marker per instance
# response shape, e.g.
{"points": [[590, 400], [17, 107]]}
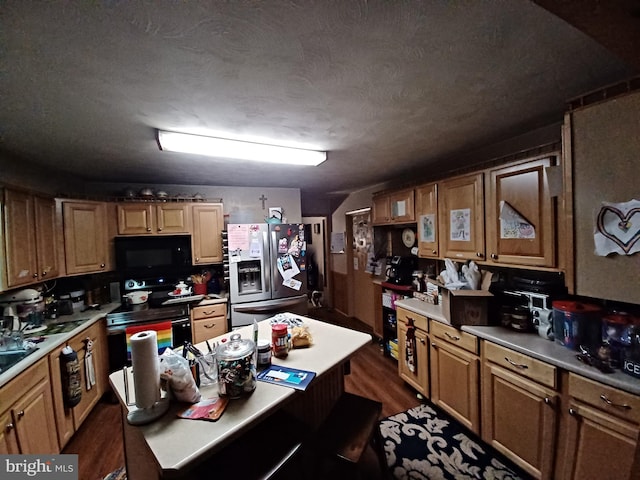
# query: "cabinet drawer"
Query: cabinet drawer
{"points": [[449, 334], [616, 402], [206, 311], [419, 321], [526, 366], [207, 328]]}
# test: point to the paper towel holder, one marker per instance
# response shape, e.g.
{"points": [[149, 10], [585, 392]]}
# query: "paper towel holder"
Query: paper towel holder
{"points": [[142, 416]]}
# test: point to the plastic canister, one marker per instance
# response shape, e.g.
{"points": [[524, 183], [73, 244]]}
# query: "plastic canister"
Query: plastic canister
{"points": [[576, 323], [77, 300], [236, 367], [615, 331]]}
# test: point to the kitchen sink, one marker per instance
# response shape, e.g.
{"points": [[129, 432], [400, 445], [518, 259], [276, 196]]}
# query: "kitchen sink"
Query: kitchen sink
{"points": [[8, 358]]}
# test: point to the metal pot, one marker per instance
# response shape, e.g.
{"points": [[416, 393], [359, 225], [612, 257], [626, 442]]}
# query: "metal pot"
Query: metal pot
{"points": [[137, 298]]}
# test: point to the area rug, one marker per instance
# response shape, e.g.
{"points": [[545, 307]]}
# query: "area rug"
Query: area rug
{"points": [[426, 443], [119, 474]]}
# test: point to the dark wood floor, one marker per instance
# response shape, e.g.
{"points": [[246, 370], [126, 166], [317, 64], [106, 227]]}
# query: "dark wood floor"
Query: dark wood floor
{"points": [[98, 443]]}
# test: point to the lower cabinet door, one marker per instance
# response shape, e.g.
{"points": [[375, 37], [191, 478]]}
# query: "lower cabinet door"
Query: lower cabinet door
{"points": [[519, 419], [419, 377], [8, 438], [599, 446], [34, 421], [455, 383]]}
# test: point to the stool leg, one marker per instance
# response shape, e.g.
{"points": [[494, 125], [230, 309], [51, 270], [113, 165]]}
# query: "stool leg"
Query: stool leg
{"points": [[378, 447]]}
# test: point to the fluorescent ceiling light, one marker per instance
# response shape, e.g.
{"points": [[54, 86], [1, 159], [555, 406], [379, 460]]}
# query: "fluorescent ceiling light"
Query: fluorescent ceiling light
{"points": [[226, 148]]}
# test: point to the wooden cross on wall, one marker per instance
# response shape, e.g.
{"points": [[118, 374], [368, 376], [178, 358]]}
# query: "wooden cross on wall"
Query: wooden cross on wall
{"points": [[263, 199]]}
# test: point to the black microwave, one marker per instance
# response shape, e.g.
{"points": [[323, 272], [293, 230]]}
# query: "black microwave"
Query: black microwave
{"points": [[163, 255]]}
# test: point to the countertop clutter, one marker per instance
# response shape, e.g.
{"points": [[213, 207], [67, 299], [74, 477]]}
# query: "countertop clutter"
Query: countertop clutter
{"points": [[530, 344], [67, 327]]}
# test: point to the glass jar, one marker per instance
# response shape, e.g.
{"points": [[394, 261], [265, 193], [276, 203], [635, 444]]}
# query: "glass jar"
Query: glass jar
{"points": [[280, 340], [236, 367]]}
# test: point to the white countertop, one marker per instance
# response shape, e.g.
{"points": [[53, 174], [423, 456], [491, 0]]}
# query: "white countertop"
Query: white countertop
{"points": [[176, 442], [531, 344]]}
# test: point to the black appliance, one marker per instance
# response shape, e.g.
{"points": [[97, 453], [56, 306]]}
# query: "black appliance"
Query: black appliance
{"points": [[400, 269], [142, 256], [159, 308]]}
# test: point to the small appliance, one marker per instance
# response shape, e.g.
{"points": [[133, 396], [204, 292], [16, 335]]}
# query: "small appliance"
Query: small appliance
{"points": [[400, 269], [145, 256]]}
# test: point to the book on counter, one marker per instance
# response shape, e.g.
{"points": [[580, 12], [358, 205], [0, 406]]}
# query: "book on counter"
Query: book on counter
{"points": [[287, 376]]}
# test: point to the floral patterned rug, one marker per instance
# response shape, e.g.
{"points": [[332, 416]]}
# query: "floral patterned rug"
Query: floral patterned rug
{"points": [[426, 443]]}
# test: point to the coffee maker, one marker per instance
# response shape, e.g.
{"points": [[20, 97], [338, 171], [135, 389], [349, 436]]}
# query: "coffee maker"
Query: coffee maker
{"points": [[400, 269]]}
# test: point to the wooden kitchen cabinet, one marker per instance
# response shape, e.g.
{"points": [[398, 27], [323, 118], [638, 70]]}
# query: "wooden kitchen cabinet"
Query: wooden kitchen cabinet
{"points": [[32, 233], [419, 378], [394, 207], [86, 240], [206, 238], [69, 420], [154, 218], [25, 410], [600, 429], [519, 408], [521, 189], [461, 218], [208, 321], [427, 219], [455, 373]]}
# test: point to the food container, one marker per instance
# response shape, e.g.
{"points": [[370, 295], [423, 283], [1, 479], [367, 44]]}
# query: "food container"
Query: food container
{"points": [[576, 323], [615, 332], [65, 307], [137, 298], [236, 367], [77, 300]]}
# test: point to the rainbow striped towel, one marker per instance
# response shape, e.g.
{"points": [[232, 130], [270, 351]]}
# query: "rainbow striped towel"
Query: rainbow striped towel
{"points": [[163, 330]]}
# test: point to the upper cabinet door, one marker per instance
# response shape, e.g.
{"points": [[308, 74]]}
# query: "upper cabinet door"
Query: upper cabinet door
{"points": [[85, 237], [401, 206], [521, 215], [381, 213], [173, 218], [427, 218], [461, 218], [207, 234], [49, 248], [135, 219], [19, 226]]}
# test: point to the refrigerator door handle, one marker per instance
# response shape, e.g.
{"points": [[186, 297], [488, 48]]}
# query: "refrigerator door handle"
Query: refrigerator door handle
{"points": [[266, 260], [275, 255]]}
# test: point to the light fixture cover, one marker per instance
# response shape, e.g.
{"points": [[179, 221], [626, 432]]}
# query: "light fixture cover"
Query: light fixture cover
{"points": [[227, 148]]}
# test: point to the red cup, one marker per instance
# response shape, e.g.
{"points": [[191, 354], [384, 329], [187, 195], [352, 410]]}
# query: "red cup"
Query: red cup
{"points": [[200, 288]]}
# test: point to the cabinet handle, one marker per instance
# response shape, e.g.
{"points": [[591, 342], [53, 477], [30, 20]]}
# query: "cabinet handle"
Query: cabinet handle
{"points": [[8, 427], [494, 256], [435, 252], [624, 406], [479, 255], [148, 229], [102, 265], [159, 229], [197, 259], [44, 274], [21, 414], [35, 275], [433, 344], [517, 365], [572, 412], [208, 314], [421, 341], [455, 338], [210, 325], [547, 400]]}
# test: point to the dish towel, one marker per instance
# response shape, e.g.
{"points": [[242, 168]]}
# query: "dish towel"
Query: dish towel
{"points": [[162, 329], [89, 371], [410, 344]]}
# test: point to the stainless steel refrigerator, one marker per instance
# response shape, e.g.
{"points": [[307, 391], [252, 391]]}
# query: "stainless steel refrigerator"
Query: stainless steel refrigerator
{"points": [[267, 271]]}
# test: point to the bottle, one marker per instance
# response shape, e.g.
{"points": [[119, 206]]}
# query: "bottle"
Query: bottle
{"points": [[71, 381], [279, 340]]}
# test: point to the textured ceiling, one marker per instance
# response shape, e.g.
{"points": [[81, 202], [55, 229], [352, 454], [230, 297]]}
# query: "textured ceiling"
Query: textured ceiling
{"points": [[387, 87]]}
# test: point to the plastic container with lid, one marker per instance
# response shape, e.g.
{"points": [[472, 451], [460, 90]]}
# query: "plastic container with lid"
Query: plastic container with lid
{"points": [[577, 323], [236, 367], [77, 300], [615, 333]]}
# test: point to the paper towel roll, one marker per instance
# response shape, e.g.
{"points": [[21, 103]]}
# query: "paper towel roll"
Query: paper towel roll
{"points": [[146, 369]]}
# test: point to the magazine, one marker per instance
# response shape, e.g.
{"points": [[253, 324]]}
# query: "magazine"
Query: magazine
{"points": [[287, 376]]}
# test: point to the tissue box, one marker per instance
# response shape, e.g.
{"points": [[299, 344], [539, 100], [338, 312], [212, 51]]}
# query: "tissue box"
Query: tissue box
{"points": [[467, 307]]}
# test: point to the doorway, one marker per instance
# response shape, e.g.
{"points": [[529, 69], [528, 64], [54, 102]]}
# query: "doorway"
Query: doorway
{"points": [[360, 265]]}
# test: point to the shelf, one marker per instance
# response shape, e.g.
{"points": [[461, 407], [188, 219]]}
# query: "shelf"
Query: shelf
{"points": [[399, 288]]}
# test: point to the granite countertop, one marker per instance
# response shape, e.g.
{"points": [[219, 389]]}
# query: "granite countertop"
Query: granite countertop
{"points": [[533, 345], [74, 324]]}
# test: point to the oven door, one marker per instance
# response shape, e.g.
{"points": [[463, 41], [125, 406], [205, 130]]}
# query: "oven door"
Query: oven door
{"points": [[117, 341]]}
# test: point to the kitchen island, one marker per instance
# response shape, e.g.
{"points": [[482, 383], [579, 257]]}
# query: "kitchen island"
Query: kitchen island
{"points": [[171, 447]]}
